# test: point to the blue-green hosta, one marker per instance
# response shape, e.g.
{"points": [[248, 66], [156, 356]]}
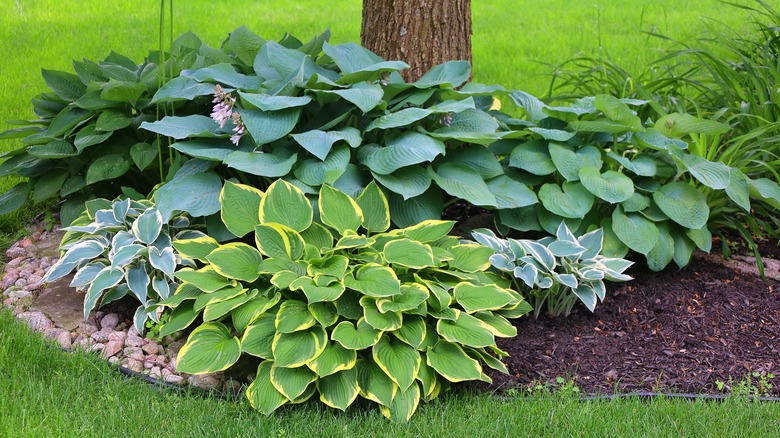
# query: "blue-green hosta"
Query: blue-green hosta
{"points": [[556, 271], [118, 249], [595, 165], [339, 306]]}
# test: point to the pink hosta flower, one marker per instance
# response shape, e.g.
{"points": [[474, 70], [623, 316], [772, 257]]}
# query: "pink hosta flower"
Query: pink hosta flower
{"points": [[223, 111], [239, 129]]}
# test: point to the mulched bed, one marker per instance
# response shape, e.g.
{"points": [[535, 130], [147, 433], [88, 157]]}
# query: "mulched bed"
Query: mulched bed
{"points": [[673, 331]]}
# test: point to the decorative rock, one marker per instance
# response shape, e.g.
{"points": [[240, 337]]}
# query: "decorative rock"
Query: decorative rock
{"points": [[232, 386], [84, 344], [155, 373], [132, 332], [118, 337], [20, 293], [64, 340], [109, 321], [175, 346], [15, 252], [112, 348], [113, 359], [134, 341], [205, 381], [53, 332], [134, 365], [97, 347], [101, 336], [34, 281], [20, 283], [173, 378], [18, 310], [148, 365], [129, 351], [152, 348], [137, 356], [88, 329], [36, 320], [13, 264]]}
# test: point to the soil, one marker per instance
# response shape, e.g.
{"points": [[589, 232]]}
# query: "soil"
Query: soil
{"points": [[673, 331]]}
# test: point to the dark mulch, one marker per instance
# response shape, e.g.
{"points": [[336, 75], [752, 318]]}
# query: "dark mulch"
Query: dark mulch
{"points": [[677, 331]]}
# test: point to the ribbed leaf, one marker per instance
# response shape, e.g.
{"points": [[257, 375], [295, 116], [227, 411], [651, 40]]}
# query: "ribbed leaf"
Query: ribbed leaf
{"points": [[463, 182], [262, 394], [398, 360], [240, 207], [299, 348], [474, 298], [401, 150], [683, 204], [452, 363], [339, 389], [209, 348], [636, 231], [569, 161]]}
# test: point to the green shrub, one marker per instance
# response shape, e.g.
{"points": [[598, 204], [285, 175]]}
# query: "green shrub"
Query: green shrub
{"points": [[556, 271], [343, 309], [117, 249]]}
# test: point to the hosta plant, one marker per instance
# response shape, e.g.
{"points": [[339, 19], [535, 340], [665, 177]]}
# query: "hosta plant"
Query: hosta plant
{"points": [[339, 306], [556, 271], [118, 249], [594, 164]]}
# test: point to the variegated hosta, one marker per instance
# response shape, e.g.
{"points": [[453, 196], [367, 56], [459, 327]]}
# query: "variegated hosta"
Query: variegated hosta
{"points": [[117, 249], [556, 270], [340, 306]]}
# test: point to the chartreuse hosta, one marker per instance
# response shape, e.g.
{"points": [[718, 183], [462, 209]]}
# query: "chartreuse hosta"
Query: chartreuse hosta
{"points": [[121, 248], [556, 271], [339, 307]]}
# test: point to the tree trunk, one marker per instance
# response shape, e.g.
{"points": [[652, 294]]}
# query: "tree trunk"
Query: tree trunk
{"points": [[422, 33]]}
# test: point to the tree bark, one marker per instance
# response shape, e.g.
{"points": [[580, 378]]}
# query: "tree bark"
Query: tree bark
{"points": [[422, 33]]}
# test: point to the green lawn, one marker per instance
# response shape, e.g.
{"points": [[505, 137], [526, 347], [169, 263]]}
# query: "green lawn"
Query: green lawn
{"points": [[46, 392]]}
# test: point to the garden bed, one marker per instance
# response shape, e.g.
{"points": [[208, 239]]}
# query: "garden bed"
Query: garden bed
{"points": [[673, 331]]}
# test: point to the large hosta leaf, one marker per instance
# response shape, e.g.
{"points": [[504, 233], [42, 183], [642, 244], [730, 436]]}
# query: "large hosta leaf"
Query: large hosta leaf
{"points": [[262, 394], [474, 298], [664, 249], [294, 316], [209, 348], [409, 253], [292, 382], [374, 280], [196, 194], [362, 95], [376, 211], [240, 208], [569, 161], [408, 181], [335, 358], [319, 143], [453, 363], [463, 182], [510, 193], [683, 204], [465, 330], [267, 165], [398, 360], [715, 175], [268, 126], [404, 404], [339, 389], [636, 231], [353, 338], [236, 260], [534, 157], [184, 127], [375, 385], [286, 204], [299, 348], [401, 150], [572, 200], [259, 336], [611, 186]]}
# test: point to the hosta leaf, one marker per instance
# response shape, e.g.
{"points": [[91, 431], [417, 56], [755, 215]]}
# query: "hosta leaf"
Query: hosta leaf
{"points": [[618, 111], [738, 189], [209, 348], [534, 157], [374, 280], [465, 330], [267, 102], [397, 359], [50, 185], [412, 295], [428, 231], [397, 119], [214, 311], [196, 194], [315, 293], [677, 125], [375, 209], [286, 204], [319, 143], [406, 252], [268, 126], [314, 172], [340, 389], [184, 127], [407, 181], [181, 318], [472, 126], [143, 154], [225, 74], [407, 212], [293, 316], [205, 279], [318, 236], [497, 324], [715, 175], [478, 158], [400, 150], [267, 165], [211, 149], [292, 382], [236, 260], [385, 321], [107, 167], [474, 298], [335, 358], [572, 200], [374, 384], [181, 88], [87, 137], [569, 161], [463, 182], [452, 363], [240, 207], [362, 95], [259, 336], [196, 248], [611, 186], [147, 226], [325, 313], [765, 189], [66, 85], [404, 404], [54, 149], [352, 338], [164, 261], [683, 249], [470, 257], [636, 231], [221, 295], [683, 204], [339, 211], [262, 394], [510, 193], [278, 241], [299, 348], [452, 73], [663, 251], [413, 332]]}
